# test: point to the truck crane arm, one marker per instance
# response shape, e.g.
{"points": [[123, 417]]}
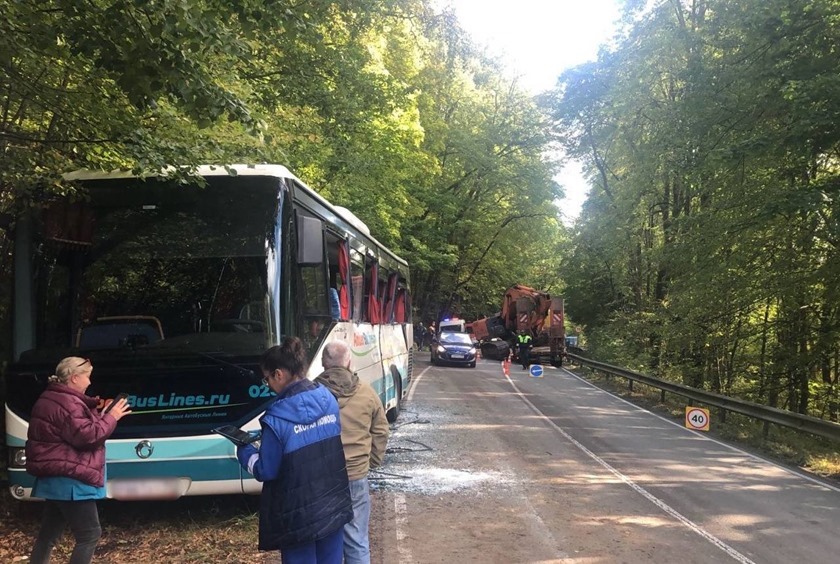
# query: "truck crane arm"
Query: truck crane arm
{"points": [[530, 310]]}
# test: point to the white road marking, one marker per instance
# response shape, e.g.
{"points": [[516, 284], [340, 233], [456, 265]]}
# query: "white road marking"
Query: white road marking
{"points": [[401, 522], [636, 487], [400, 511], [541, 530], [413, 385]]}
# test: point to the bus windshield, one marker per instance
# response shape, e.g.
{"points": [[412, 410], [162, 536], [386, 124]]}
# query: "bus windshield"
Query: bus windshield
{"points": [[163, 286], [153, 265]]}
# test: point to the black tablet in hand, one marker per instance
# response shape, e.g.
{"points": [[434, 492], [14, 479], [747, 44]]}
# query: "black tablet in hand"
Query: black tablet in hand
{"points": [[113, 403], [236, 435]]}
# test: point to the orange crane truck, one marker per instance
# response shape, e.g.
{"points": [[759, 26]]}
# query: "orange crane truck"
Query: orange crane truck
{"points": [[529, 310]]}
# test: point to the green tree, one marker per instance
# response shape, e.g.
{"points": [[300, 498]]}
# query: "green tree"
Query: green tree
{"points": [[385, 106], [710, 133]]}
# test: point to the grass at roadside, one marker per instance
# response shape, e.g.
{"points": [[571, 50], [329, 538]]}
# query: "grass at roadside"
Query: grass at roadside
{"points": [[808, 452], [197, 529]]}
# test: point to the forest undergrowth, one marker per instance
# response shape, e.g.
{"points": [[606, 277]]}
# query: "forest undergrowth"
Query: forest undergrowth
{"points": [[188, 530]]}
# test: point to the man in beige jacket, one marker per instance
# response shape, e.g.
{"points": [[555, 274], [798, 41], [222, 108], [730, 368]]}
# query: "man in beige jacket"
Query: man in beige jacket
{"points": [[364, 434]]}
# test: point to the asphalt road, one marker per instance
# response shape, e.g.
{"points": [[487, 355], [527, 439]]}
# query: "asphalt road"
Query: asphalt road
{"points": [[486, 468]]}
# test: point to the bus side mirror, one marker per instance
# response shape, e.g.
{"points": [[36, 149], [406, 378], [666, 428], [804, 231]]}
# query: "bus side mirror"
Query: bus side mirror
{"points": [[310, 241]]}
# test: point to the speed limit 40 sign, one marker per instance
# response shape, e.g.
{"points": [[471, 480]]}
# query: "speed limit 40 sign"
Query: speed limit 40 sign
{"points": [[697, 418]]}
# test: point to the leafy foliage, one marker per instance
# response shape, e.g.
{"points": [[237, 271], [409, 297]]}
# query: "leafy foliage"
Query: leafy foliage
{"points": [[708, 246], [385, 106]]}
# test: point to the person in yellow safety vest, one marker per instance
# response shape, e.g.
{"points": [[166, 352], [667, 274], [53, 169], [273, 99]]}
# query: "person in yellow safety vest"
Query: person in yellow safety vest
{"points": [[524, 342]]}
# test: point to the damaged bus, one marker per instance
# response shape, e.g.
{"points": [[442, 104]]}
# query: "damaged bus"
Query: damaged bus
{"points": [[174, 290]]}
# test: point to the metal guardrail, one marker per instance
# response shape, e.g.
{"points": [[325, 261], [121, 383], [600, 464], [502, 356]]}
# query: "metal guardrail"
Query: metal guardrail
{"points": [[782, 417]]}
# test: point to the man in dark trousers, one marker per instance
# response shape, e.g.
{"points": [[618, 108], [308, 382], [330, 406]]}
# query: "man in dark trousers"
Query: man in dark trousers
{"points": [[419, 336], [524, 341]]}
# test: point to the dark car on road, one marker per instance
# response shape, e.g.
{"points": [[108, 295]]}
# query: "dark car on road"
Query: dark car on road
{"points": [[453, 348]]}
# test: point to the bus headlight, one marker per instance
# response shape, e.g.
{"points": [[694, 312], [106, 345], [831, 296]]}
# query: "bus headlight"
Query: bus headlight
{"points": [[17, 458]]}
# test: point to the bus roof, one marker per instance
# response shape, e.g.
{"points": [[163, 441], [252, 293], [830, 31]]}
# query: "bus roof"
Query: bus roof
{"points": [[278, 171]]}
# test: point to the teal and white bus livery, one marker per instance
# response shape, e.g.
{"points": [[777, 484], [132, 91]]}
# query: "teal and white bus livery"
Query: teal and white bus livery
{"points": [[174, 291]]}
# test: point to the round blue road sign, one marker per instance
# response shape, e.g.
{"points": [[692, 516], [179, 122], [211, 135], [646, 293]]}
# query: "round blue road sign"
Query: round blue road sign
{"points": [[536, 370]]}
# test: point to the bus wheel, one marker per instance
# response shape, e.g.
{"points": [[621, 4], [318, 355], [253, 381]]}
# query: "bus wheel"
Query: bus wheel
{"points": [[394, 412]]}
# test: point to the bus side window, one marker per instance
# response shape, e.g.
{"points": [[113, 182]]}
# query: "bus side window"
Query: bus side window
{"points": [[357, 276], [312, 291], [335, 277], [372, 306], [389, 288], [401, 305], [312, 297]]}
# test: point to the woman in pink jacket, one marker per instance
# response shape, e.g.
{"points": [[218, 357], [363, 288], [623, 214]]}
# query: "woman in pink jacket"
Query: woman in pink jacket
{"points": [[65, 451]]}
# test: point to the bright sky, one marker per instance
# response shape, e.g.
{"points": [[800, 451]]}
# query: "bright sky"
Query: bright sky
{"points": [[539, 39]]}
